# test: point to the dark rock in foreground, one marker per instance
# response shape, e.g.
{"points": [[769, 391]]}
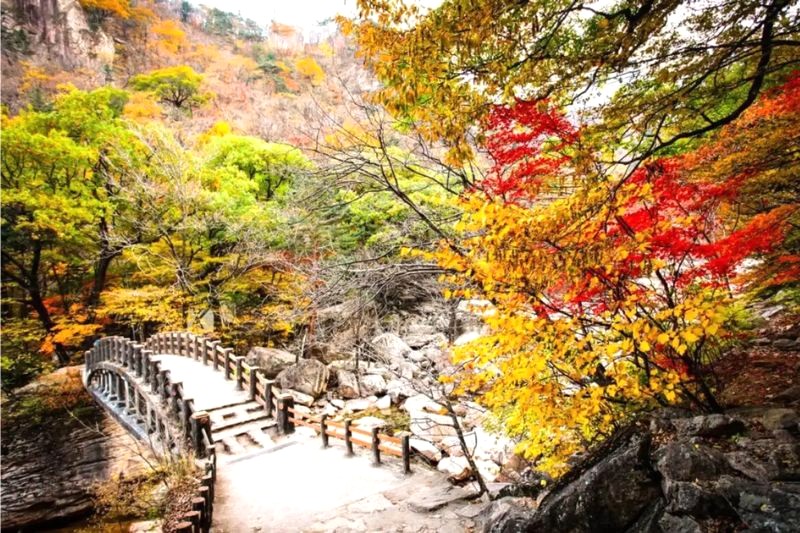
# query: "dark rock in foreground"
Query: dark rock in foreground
{"points": [[671, 473]]}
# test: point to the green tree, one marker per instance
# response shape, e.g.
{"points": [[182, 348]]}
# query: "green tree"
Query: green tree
{"points": [[271, 166], [178, 86]]}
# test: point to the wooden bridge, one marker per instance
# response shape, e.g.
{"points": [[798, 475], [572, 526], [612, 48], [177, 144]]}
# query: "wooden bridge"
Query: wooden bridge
{"points": [[183, 393]]}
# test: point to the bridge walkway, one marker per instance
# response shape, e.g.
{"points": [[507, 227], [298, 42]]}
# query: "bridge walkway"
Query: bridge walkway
{"points": [[238, 425]]}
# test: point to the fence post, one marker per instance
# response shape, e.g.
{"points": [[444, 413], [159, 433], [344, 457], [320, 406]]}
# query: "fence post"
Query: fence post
{"points": [[146, 365], [186, 417], [174, 393], [376, 451], [323, 428], [268, 396], [200, 349], [239, 373], [199, 421], [155, 367], [211, 346], [406, 445], [163, 380], [226, 363], [285, 402], [348, 434], [253, 381]]}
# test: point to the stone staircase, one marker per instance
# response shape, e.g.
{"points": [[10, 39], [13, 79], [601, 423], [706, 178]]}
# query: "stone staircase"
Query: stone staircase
{"points": [[241, 428]]}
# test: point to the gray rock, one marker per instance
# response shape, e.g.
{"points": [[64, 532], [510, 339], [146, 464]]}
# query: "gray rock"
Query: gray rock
{"points": [[359, 404], [456, 468], [270, 360], [309, 376], [785, 344], [373, 385], [714, 425], [689, 498], [426, 448], [679, 524], [763, 507], [780, 419], [346, 384], [505, 515], [390, 348], [606, 497], [432, 499], [384, 402], [681, 461]]}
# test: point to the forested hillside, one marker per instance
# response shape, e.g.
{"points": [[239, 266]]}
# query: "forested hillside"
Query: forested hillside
{"points": [[610, 187], [162, 170]]}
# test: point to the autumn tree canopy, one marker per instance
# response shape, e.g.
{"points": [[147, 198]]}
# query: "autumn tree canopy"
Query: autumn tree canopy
{"points": [[686, 71], [636, 190]]}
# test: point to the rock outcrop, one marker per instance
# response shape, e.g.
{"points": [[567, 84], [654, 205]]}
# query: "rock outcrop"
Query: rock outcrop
{"points": [[51, 467], [671, 473]]}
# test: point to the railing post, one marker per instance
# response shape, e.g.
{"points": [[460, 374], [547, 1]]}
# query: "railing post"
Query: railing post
{"points": [[174, 393], [227, 363], [200, 420], [285, 402], [268, 401], [323, 430], [146, 354], [155, 367], [239, 373], [348, 434], [163, 381], [186, 417], [376, 451], [406, 446], [137, 359], [211, 349], [253, 381]]}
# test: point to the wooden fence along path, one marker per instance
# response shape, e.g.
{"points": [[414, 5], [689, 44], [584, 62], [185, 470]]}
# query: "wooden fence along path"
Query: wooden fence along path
{"points": [[130, 380]]}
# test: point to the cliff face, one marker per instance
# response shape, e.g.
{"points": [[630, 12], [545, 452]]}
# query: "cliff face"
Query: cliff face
{"points": [[54, 31], [52, 465]]}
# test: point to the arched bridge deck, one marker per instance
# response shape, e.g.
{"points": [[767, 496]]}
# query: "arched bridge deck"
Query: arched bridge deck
{"points": [[182, 392]]}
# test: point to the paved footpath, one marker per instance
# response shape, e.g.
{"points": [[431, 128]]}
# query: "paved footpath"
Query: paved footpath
{"points": [[300, 487]]}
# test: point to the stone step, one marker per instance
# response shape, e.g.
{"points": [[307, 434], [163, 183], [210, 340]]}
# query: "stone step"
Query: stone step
{"points": [[237, 416], [232, 446], [259, 427]]}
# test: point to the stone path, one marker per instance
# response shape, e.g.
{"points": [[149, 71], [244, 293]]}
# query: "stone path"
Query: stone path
{"points": [[300, 487]]}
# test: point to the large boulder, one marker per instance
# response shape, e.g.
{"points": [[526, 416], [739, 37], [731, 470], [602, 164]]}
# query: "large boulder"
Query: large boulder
{"points": [[270, 360], [346, 383], [308, 376], [390, 348], [373, 385], [428, 419]]}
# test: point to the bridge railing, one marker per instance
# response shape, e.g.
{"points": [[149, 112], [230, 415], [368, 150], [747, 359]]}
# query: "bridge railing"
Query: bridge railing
{"points": [[273, 399], [121, 372]]}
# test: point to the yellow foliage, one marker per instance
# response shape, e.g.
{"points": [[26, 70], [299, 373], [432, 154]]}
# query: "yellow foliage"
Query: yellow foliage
{"points": [[170, 37], [118, 8], [310, 69], [142, 108]]}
